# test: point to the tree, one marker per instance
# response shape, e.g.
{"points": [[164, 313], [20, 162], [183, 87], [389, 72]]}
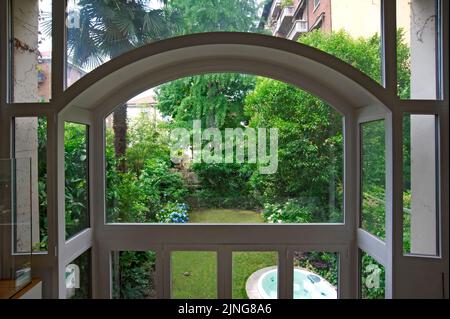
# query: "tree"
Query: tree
{"points": [[215, 15], [109, 28], [310, 154], [215, 99], [310, 141]]}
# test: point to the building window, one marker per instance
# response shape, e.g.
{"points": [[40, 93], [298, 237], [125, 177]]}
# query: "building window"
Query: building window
{"points": [[316, 4]]}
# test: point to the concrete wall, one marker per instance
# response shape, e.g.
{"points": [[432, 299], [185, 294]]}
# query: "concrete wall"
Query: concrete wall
{"points": [[423, 49], [314, 14], [362, 18], [25, 89], [423, 185], [423, 139]]}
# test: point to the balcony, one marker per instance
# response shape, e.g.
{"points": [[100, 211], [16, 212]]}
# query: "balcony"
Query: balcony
{"points": [[284, 23], [275, 9], [299, 27]]}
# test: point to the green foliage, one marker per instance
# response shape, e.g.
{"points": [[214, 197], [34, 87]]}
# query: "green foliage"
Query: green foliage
{"points": [[407, 221], [224, 185], [322, 263], [403, 66], [363, 54], [215, 15], [141, 192], [374, 211], [109, 28], [133, 274], [137, 199], [373, 150], [292, 211], [76, 178], [215, 99], [368, 264], [218, 101], [287, 3], [310, 150], [169, 185], [373, 178], [42, 185], [147, 141]]}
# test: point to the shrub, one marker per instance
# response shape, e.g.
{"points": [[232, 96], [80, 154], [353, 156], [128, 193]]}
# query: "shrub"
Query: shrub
{"points": [[368, 263], [292, 211], [157, 177], [225, 186], [173, 213], [133, 274], [322, 263]]}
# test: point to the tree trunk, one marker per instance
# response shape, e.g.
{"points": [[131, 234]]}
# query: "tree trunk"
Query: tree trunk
{"points": [[120, 136]]}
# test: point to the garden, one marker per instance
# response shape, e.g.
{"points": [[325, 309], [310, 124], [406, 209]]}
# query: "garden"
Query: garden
{"points": [[143, 185]]}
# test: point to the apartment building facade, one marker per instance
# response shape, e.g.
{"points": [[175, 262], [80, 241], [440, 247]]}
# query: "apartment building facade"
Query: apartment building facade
{"points": [[290, 19]]}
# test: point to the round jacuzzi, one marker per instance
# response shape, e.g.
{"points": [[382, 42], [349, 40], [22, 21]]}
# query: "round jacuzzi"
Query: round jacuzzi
{"points": [[307, 285]]}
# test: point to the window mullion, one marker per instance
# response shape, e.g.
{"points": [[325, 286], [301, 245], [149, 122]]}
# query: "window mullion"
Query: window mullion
{"points": [[389, 47], [59, 45]]}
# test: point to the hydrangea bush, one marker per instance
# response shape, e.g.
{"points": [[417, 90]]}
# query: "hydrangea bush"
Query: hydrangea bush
{"points": [[174, 213]]}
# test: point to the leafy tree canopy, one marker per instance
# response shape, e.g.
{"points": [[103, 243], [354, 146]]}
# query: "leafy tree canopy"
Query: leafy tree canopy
{"points": [[215, 15]]}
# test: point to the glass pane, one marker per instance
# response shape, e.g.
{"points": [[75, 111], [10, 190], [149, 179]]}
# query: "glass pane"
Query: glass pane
{"points": [[76, 177], [194, 274], [30, 140], [356, 41], [31, 50], [255, 275], [133, 274], [373, 186], [316, 275], [15, 225], [78, 277], [278, 159], [420, 169], [98, 31], [372, 277], [418, 58]]}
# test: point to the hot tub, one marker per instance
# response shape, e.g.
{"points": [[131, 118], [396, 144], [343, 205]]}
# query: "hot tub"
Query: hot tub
{"points": [[307, 285]]}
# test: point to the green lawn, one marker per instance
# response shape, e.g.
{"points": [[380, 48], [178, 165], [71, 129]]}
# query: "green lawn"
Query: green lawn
{"points": [[194, 273], [246, 263], [225, 216]]}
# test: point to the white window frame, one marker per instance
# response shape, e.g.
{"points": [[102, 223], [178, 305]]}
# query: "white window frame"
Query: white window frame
{"points": [[316, 4]]}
